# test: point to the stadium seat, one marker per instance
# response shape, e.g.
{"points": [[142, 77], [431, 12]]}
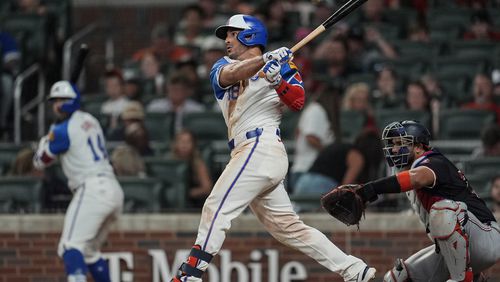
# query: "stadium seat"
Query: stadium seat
{"points": [[175, 176], [386, 116], [448, 17], [206, 126], [488, 166], [458, 65], [400, 16], [141, 194], [463, 124], [159, 126], [21, 195], [288, 124], [351, 124], [462, 48], [414, 49], [368, 78]]}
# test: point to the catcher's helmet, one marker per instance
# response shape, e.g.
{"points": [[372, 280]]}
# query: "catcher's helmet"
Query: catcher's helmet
{"points": [[253, 32], [65, 90], [403, 134]]}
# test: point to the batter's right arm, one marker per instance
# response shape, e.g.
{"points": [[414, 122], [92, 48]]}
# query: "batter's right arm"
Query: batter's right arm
{"points": [[234, 72]]}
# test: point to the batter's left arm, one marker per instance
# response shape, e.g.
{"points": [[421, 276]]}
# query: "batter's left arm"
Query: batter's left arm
{"points": [[291, 88]]}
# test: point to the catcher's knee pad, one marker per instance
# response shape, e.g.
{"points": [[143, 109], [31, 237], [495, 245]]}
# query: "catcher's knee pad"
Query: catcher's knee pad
{"points": [[196, 263], [399, 273], [452, 241]]}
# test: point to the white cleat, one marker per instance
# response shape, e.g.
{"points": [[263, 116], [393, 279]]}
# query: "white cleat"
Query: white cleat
{"points": [[365, 275]]}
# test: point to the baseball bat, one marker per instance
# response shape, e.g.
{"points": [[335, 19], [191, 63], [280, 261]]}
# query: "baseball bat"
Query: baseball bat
{"points": [[339, 14], [80, 59]]}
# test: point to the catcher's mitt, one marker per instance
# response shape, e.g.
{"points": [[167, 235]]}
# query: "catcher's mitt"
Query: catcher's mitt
{"points": [[345, 204]]}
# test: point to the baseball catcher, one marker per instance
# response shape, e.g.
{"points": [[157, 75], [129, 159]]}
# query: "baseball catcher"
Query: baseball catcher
{"points": [[465, 233]]}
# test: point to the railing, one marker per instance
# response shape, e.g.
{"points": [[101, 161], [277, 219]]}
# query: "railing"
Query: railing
{"points": [[68, 48], [19, 110]]}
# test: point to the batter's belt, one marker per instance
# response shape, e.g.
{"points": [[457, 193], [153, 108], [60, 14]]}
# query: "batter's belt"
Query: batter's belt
{"points": [[249, 135]]}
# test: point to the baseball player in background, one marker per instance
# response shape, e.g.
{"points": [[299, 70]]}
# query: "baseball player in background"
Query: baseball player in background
{"points": [[252, 107], [77, 139], [465, 232]]}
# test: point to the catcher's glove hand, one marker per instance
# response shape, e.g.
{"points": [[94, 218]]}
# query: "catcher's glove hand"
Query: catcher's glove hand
{"points": [[345, 203]]}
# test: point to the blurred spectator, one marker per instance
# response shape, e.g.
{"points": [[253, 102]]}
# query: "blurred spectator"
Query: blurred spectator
{"points": [[482, 92], [481, 28], [432, 86], [418, 32], [162, 46], [372, 11], [29, 6], [212, 18], [132, 88], [10, 66], [367, 46], [490, 142], [127, 161], [188, 69], [116, 102], [386, 95], [417, 98], [342, 163], [137, 137], [152, 79], [313, 134], [331, 60], [177, 100], [357, 98], [189, 31], [495, 79], [212, 49], [133, 113], [495, 194], [275, 17], [22, 165], [200, 183]]}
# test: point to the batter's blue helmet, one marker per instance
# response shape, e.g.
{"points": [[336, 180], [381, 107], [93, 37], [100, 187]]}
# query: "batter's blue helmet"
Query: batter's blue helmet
{"points": [[253, 32], [403, 134], [65, 90]]}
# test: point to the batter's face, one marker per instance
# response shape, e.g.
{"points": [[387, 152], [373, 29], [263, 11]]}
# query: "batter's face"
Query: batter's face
{"points": [[234, 48], [56, 108]]}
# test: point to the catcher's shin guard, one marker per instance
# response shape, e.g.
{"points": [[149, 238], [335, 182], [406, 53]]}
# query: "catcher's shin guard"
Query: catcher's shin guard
{"points": [[453, 242], [399, 273], [195, 265]]}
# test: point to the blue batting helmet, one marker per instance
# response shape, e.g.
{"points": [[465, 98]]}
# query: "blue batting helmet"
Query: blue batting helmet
{"points": [[65, 90], [253, 32], [403, 134]]}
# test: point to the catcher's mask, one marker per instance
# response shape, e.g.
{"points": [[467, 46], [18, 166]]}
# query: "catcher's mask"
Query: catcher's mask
{"points": [[401, 136]]}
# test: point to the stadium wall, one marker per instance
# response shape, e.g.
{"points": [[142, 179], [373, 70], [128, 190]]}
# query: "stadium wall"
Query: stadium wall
{"points": [[150, 248]]}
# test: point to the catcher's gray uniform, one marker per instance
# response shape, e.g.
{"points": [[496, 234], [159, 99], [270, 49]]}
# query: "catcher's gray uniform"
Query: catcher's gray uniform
{"points": [[464, 230]]}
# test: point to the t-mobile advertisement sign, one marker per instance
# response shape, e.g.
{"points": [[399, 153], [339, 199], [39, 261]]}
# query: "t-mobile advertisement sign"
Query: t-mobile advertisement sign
{"points": [[251, 272]]}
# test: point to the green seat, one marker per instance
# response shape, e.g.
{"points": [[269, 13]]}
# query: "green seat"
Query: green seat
{"points": [[448, 17], [458, 65], [386, 116], [289, 122], [462, 48], [141, 194], [488, 166], [206, 126], [21, 195], [368, 78], [159, 126], [463, 124], [175, 175], [351, 124], [414, 49], [400, 16]]}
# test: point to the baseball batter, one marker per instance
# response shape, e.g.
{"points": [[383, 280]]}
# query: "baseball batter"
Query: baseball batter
{"points": [[76, 138], [465, 233], [252, 108]]}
